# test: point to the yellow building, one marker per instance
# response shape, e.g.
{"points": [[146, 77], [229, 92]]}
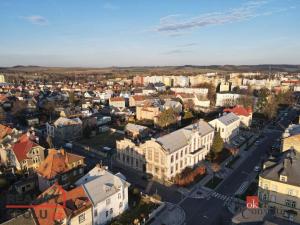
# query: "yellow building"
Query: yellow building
{"points": [[2, 78], [168, 155], [291, 138], [279, 186]]}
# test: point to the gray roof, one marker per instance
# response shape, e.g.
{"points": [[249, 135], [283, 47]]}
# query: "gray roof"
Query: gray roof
{"points": [[288, 165], [228, 118], [135, 127], [180, 138], [103, 186], [23, 219]]}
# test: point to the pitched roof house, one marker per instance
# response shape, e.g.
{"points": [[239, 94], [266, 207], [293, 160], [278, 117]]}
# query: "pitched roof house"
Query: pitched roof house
{"points": [[60, 166]]}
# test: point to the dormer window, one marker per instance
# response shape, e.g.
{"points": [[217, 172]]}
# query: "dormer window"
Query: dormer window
{"points": [[283, 178]]}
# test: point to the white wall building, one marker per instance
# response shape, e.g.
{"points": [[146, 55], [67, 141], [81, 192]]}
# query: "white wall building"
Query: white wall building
{"points": [[227, 99], [228, 126], [107, 192]]}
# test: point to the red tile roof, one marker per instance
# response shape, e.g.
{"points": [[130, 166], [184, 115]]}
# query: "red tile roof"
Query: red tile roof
{"points": [[60, 204], [138, 97], [4, 130], [239, 110], [116, 99], [57, 163], [22, 147]]}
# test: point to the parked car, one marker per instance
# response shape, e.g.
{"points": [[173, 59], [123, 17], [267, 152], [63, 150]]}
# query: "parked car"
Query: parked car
{"points": [[257, 169]]}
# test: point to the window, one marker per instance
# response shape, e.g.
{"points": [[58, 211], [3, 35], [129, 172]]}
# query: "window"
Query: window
{"points": [[119, 196], [176, 156], [290, 203], [172, 170], [106, 213], [273, 198], [156, 156], [172, 158], [290, 192], [121, 205], [108, 201], [264, 197], [111, 211], [81, 218], [149, 154], [95, 213], [283, 178], [181, 154]]}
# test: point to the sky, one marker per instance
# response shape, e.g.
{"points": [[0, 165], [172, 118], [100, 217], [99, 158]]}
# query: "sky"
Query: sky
{"points": [[103, 33]]}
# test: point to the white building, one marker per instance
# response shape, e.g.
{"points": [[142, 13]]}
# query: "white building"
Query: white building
{"points": [[227, 99], [107, 192], [227, 125], [201, 91]]}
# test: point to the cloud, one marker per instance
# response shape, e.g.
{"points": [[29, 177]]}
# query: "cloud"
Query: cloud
{"points": [[35, 19], [176, 51], [187, 45], [176, 24], [110, 6]]}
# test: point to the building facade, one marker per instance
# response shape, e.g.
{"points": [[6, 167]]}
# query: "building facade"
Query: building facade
{"points": [[168, 155]]}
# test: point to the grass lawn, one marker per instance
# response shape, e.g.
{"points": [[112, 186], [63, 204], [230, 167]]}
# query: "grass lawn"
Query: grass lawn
{"points": [[104, 139], [212, 183], [251, 190], [231, 163]]}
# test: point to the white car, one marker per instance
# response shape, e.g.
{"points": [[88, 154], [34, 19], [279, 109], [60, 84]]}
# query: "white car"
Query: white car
{"points": [[256, 169]]}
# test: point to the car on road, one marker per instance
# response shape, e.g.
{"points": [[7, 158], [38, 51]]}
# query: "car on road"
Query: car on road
{"points": [[257, 142], [256, 169]]}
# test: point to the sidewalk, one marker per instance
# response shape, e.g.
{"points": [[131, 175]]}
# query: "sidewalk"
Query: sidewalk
{"points": [[170, 215]]}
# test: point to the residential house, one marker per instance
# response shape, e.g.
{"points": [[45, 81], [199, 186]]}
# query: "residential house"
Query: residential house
{"points": [[59, 166], [64, 129], [149, 90], [136, 100], [201, 102], [228, 126], [160, 87], [175, 105], [168, 155], [136, 131], [26, 153], [118, 102], [72, 207], [107, 192], [147, 112], [244, 114]]}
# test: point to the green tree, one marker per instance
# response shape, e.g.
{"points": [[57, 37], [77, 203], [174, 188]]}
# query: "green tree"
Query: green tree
{"points": [[246, 101], [218, 143], [166, 118], [188, 115]]}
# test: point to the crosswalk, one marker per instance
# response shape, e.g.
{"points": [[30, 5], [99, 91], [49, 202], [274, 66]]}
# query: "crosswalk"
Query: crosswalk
{"points": [[242, 188], [222, 197]]}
